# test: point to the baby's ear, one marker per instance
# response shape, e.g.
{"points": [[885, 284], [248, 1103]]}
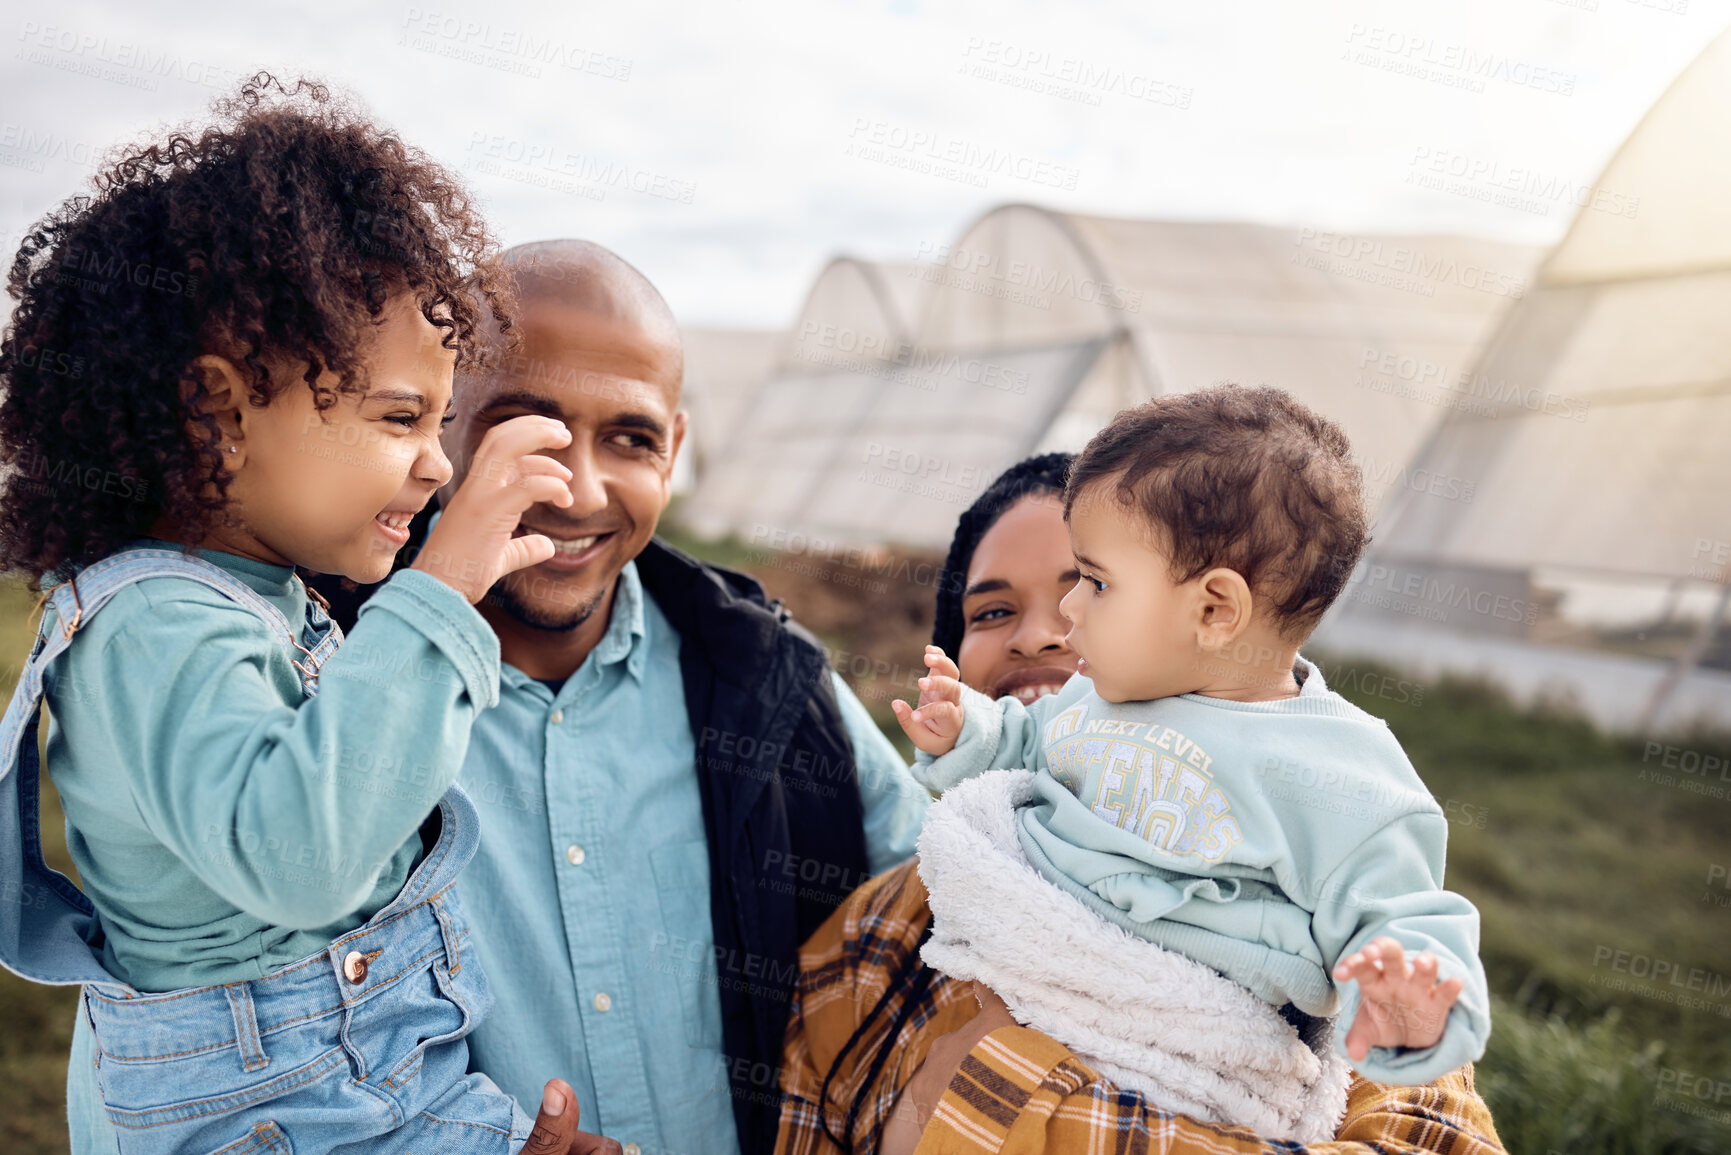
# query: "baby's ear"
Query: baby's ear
{"points": [[1222, 608]]}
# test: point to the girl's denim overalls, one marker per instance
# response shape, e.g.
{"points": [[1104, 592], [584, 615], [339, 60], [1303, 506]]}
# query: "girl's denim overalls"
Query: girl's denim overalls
{"points": [[358, 1048]]}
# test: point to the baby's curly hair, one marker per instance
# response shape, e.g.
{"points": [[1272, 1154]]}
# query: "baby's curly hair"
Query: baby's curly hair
{"points": [[274, 236], [1248, 478]]}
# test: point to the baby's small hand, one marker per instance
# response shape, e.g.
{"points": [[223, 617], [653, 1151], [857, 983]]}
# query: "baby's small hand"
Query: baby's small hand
{"points": [[1399, 1005], [935, 723]]}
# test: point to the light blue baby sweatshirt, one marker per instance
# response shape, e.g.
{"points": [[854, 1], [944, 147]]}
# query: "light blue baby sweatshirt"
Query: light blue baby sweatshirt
{"points": [[1267, 840]]}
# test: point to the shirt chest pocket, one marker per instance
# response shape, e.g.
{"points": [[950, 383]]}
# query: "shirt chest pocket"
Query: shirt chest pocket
{"points": [[682, 955]]}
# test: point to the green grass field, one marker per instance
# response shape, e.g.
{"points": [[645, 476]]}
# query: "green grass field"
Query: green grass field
{"points": [[1589, 867]]}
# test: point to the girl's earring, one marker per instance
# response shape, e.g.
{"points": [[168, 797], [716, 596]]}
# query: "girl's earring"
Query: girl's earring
{"points": [[234, 449]]}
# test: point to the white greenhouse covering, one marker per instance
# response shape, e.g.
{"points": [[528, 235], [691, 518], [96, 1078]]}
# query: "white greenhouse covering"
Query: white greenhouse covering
{"points": [[723, 368], [1597, 453], [904, 389], [1609, 450]]}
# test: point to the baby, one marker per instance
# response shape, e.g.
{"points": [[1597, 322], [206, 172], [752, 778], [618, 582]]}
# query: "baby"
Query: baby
{"points": [[1196, 784]]}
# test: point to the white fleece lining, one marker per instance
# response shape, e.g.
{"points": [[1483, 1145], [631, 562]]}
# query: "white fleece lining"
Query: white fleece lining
{"points": [[1147, 1018]]}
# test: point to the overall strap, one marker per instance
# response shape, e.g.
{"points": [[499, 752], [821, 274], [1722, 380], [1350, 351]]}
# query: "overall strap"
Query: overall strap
{"points": [[77, 599]]}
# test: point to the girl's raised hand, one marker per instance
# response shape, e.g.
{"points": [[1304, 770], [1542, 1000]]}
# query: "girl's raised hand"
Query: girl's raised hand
{"points": [[472, 546], [936, 722]]}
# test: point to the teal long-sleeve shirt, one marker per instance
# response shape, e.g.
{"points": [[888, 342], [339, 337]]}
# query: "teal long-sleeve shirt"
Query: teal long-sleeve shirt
{"points": [[1267, 840], [222, 822]]}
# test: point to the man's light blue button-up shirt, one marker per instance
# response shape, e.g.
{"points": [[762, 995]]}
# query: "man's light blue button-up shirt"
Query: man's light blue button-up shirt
{"points": [[590, 894]]}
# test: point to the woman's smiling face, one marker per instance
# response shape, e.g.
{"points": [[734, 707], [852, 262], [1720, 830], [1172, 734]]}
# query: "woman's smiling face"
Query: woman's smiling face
{"points": [[1012, 632]]}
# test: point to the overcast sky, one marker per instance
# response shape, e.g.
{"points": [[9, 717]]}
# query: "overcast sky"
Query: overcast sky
{"points": [[730, 148]]}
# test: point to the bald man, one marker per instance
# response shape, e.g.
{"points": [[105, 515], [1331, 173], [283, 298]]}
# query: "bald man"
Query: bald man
{"points": [[675, 790]]}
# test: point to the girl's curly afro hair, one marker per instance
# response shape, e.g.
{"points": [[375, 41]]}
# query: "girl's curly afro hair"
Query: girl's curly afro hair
{"points": [[275, 235]]}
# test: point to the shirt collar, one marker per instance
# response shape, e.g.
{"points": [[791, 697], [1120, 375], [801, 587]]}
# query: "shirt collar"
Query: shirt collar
{"points": [[624, 639]]}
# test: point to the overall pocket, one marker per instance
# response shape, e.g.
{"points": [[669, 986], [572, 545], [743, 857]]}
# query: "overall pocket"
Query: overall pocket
{"points": [[264, 1139], [157, 1123], [390, 1033]]}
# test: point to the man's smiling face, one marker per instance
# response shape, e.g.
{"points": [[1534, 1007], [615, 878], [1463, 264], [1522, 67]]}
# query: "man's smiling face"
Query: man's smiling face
{"points": [[613, 378]]}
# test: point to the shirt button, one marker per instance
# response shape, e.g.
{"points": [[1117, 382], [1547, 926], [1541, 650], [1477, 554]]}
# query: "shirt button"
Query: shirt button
{"points": [[633, 1149], [355, 967], [574, 854], [558, 717], [603, 1001]]}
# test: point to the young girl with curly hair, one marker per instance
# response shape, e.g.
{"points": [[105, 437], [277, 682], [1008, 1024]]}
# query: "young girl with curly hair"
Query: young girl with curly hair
{"points": [[232, 361]]}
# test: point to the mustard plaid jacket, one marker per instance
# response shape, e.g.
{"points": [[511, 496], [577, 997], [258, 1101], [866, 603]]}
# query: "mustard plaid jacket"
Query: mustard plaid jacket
{"points": [[1019, 1092]]}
